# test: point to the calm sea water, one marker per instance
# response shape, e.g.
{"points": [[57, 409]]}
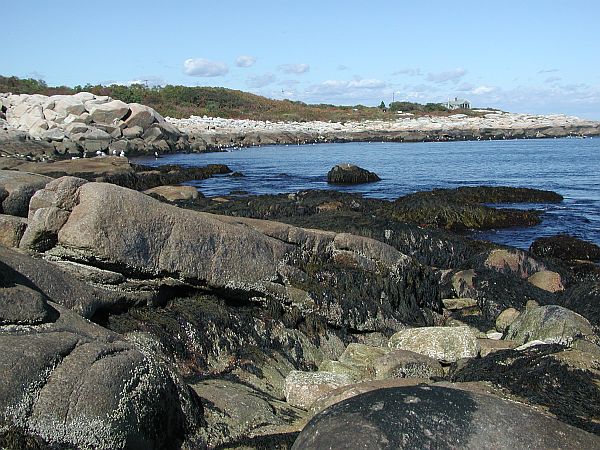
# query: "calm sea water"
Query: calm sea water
{"points": [[570, 167]]}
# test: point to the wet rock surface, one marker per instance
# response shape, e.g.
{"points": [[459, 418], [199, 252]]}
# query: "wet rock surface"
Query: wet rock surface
{"points": [[119, 171]]}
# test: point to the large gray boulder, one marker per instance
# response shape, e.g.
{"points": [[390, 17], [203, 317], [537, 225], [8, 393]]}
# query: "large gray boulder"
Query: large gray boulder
{"points": [[406, 364], [21, 305], [551, 324], [302, 389], [18, 188], [437, 417], [11, 230], [447, 344], [108, 112], [141, 116]]}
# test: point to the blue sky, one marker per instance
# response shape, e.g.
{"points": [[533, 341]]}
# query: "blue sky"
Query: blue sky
{"points": [[522, 56]]}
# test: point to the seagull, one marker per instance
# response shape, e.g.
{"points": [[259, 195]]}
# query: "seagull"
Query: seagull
{"points": [[122, 154]]}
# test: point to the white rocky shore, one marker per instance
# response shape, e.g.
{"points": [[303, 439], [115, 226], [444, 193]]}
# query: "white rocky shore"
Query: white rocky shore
{"points": [[83, 124], [489, 125]]}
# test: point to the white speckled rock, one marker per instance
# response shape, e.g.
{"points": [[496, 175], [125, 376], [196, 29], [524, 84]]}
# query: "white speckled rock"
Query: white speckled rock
{"points": [[551, 324], [302, 389], [447, 344]]}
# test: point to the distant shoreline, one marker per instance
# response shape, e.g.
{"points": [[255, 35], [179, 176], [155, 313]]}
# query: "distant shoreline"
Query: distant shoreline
{"points": [[215, 134]]}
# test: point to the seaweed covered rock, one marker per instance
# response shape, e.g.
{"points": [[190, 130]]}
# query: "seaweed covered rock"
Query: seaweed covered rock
{"points": [[565, 247], [436, 417], [563, 381], [495, 289], [463, 208], [551, 324], [74, 384], [119, 171], [350, 174], [584, 298]]}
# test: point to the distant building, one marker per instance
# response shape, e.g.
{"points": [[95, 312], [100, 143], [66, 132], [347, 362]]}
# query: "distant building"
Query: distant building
{"points": [[458, 103]]}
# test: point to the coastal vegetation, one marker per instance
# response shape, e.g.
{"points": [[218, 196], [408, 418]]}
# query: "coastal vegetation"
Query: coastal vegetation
{"points": [[184, 101]]}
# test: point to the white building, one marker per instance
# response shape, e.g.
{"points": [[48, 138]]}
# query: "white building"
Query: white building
{"points": [[458, 103]]}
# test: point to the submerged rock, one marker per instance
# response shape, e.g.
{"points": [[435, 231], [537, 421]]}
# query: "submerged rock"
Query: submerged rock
{"points": [[436, 417], [350, 174]]}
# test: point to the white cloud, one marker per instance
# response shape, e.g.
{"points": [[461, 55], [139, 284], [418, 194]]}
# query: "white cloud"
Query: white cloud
{"points": [[366, 84], [410, 71], [483, 90], [552, 79], [548, 71], [245, 61], [450, 75], [342, 67], [200, 67], [259, 81], [289, 83], [296, 69]]}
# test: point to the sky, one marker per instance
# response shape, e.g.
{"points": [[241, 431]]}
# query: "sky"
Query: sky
{"points": [[523, 56]]}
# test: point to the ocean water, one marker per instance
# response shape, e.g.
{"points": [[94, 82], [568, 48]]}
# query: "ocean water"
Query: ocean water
{"points": [[570, 167]]}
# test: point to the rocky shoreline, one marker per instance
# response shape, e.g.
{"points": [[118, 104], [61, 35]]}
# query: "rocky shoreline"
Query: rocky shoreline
{"points": [[215, 133], [167, 320], [83, 124]]}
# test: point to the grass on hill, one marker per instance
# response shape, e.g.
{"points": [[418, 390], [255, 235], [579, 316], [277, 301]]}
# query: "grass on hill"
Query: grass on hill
{"points": [[184, 101]]}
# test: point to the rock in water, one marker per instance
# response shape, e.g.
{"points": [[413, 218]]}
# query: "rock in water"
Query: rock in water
{"points": [[565, 247], [350, 174], [436, 417]]}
